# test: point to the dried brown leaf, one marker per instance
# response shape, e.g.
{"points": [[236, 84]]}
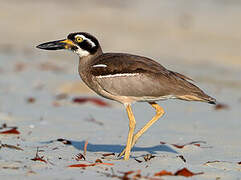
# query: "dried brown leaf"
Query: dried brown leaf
{"points": [[98, 161], [139, 161], [38, 158], [182, 172], [126, 174], [137, 175], [79, 157], [148, 157], [8, 130], [195, 143], [185, 172], [182, 158], [108, 154], [31, 100], [221, 106], [96, 101], [64, 141], [164, 173], [88, 165], [11, 147], [10, 167]]}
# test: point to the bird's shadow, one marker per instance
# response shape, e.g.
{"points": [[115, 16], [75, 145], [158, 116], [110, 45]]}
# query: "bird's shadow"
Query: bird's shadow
{"points": [[114, 148]]}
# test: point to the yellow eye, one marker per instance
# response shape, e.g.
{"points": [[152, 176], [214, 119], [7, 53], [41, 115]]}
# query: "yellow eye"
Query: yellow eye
{"points": [[78, 39]]}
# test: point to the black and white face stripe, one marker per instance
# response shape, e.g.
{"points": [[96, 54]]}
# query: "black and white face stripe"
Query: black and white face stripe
{"points": [[86, 39], [89, 45]]}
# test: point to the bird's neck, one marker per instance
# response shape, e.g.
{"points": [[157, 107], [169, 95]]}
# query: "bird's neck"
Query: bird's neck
{"points": [[85, 63], [85, 66]]}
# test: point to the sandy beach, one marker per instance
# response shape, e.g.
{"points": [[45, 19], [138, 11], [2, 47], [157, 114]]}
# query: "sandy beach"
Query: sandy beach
{"points": [[53, 127]]}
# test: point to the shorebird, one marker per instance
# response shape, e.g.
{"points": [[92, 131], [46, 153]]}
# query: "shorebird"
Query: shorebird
{"points": [[127, 78]]}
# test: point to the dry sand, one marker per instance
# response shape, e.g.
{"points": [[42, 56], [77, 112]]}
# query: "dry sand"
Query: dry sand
{"points": [[200, 39]]}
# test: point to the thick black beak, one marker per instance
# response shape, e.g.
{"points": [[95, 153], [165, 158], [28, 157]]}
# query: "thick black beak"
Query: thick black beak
{"points": [[56, 45]]}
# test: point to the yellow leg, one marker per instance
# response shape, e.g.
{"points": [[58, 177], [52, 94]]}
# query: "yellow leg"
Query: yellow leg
{"points": [[132, 124], [159, 112]]}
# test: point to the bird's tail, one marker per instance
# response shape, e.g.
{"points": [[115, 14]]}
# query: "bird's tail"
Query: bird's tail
{"points": [[212, 101], [198, 97], [209, 99]]}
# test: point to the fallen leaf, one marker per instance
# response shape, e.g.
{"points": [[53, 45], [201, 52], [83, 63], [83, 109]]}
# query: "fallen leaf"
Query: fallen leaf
{"points": [[96, 101], [195, 143], [31, 172], [88, 165], [126, 174], [221, 106], [148, 157], [137, 175], [182, 158], [99, 102], [31, 100], [81, 165], [64, 141], [209, 162], [108, 164], [8, 130], [164, 173], [11, 167], [38, 158], [10, 146], [98, 161], [185, 172], [79, 157], [108, 154], [182, 172], [80, 100], [139, 161]]}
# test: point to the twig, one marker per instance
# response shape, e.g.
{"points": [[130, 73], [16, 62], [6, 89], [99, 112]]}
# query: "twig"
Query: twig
{"points": [[85, 147]]}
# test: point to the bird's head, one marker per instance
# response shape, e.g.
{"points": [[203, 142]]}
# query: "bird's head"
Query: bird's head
{"points": [[82, 43]]}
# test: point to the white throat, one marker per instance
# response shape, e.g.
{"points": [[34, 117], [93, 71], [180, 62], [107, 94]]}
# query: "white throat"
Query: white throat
{"points": [[81, 52]]}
